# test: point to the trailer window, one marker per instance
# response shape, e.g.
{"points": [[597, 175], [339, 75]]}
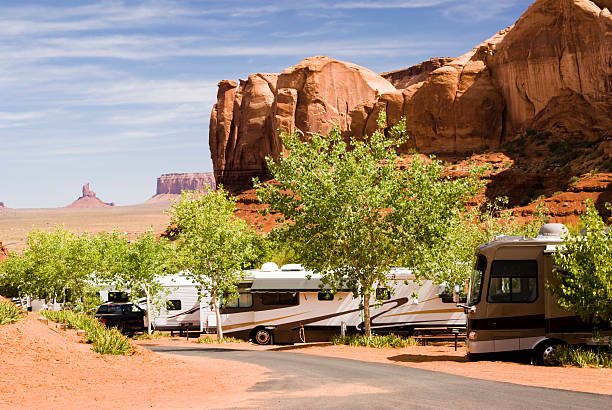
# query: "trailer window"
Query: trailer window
{"points": [[513, 281], [280, 298], [325, 296], [174, 304], [476, 280]]}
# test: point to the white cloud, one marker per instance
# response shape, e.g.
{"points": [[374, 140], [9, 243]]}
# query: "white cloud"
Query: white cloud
{"points": [[19, 119]]}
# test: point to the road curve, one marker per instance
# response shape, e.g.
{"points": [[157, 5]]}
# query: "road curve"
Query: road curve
{"points": [[302, 381]]}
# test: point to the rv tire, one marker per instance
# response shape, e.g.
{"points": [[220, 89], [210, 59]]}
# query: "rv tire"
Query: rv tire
{"points": [[262, 336], [544, 353]]}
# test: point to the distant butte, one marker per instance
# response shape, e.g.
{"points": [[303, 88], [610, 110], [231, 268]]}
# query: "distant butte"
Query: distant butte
{"points": [[89, 200]]}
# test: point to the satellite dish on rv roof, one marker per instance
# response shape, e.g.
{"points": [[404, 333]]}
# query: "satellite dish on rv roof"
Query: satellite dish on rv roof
{"points": [[269, 267], [554, 230]]}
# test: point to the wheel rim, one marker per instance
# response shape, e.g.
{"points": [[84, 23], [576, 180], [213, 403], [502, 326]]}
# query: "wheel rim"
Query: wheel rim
{"points": [[548, 355], [262, 337]]}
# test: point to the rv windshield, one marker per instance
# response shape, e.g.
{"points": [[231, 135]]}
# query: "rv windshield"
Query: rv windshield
{"points": [[476, 280]]}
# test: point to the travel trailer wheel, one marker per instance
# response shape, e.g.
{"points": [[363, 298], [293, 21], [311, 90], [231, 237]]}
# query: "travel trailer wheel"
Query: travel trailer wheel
{"points": [[263, 336], [545, 353]]}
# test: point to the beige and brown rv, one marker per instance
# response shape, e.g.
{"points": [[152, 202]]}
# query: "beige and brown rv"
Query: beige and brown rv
{"points": [[509, 305]]}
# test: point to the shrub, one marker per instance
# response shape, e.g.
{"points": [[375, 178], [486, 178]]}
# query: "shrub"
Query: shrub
{"points": [[210, 340], [378, 341], [104, 340], [584, 356], [10, 313]]}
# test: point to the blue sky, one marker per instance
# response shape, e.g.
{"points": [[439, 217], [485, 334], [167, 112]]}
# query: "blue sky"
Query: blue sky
{"points": [[118, 92]]}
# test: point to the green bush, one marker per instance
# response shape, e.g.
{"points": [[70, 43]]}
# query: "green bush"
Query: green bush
{"points": [[584, 356], [210, 340], [378, 341], [10, 313], [104, 340]]}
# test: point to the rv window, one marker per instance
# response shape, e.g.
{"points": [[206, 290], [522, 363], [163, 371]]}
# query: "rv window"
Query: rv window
{"points": [[325, 296], [513, 281], [174, 304], [245, 300], [383, 294], [476, 280], [280, 298]]}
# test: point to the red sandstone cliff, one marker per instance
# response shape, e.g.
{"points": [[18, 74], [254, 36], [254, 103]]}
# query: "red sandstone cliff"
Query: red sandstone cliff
{"points": [[551, 72], [89, 200], [177, 183]]}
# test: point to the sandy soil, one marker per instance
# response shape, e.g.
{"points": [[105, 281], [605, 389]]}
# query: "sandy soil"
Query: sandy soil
{"points": [[445, 359], [43, 367], [15, 224]]}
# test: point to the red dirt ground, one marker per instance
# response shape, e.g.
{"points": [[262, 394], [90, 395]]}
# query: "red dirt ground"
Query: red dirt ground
{"points": [[42, 367], [445, 359]]}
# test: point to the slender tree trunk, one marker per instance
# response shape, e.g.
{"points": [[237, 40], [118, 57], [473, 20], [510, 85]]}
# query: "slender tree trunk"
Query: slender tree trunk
{"points": [[217, 314], [146, 290], [366, 315]]}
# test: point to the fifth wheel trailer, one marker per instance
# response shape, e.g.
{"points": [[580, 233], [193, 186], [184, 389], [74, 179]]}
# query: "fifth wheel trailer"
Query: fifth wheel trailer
{"points": [[287, 305], [509, 305]]}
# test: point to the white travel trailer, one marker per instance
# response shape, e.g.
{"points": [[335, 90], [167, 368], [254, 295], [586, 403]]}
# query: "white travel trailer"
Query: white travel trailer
{"points": [[510, 307], [285, 305], [181, 310]]}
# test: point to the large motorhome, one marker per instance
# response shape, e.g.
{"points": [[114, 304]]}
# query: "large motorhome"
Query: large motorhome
{"points": [[509, 305], [288, 305]]}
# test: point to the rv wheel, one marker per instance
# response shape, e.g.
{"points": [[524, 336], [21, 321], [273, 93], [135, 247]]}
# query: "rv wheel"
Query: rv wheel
{"points": [[545, 353], [263, 336]]}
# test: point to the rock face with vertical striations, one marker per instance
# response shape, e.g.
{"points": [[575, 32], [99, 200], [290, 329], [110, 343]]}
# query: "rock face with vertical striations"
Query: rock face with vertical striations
{"points": [[177, 183], [89, 200], [551, 72]]}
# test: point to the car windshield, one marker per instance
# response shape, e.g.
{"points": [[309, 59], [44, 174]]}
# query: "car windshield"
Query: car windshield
{"points": [[476, 280]]}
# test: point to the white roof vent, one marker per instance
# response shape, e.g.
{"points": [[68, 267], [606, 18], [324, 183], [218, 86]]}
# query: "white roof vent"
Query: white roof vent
{"points": [[292, 267], [553, 230], [269, 267]]}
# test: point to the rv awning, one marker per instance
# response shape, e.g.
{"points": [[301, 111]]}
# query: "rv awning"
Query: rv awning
{"points": [[285, 285]]}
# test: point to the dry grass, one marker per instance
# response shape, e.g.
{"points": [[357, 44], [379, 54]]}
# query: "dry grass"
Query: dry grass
{"points": [[15, 224]]}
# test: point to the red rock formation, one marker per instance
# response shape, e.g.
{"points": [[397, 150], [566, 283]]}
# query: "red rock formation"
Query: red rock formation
{"points": [[406, 77], [89, 200], [551, 71], [177, 183], [311, 96]]}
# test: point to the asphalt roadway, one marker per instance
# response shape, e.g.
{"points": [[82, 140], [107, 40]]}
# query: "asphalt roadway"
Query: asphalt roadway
{"points": [[303, 381]]}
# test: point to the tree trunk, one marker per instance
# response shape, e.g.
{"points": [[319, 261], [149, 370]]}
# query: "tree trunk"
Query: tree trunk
{"points": [[146, 290], [366, 315], [217, 314]]}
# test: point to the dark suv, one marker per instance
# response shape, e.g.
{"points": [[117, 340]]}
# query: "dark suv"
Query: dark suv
{"points": [[127, 317]]}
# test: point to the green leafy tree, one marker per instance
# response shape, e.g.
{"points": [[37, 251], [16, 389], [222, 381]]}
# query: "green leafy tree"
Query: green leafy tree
{"points": [[213, 245], [585, 270], [350, 212], [450, 259], [135, 267]]}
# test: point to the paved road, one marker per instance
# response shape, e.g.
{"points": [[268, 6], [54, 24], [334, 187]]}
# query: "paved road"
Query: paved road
{"points": [[302, 381]]}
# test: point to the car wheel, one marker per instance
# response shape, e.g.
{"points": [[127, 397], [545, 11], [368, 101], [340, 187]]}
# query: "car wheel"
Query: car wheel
{"points": [[263, 336]]}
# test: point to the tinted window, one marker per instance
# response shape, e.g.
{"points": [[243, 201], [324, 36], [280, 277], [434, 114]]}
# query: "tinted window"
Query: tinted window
{"points": [[513, 281], [325, 296], [476, 280], [244, 300], [279, 298], [174, 304], [103, 309]]}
